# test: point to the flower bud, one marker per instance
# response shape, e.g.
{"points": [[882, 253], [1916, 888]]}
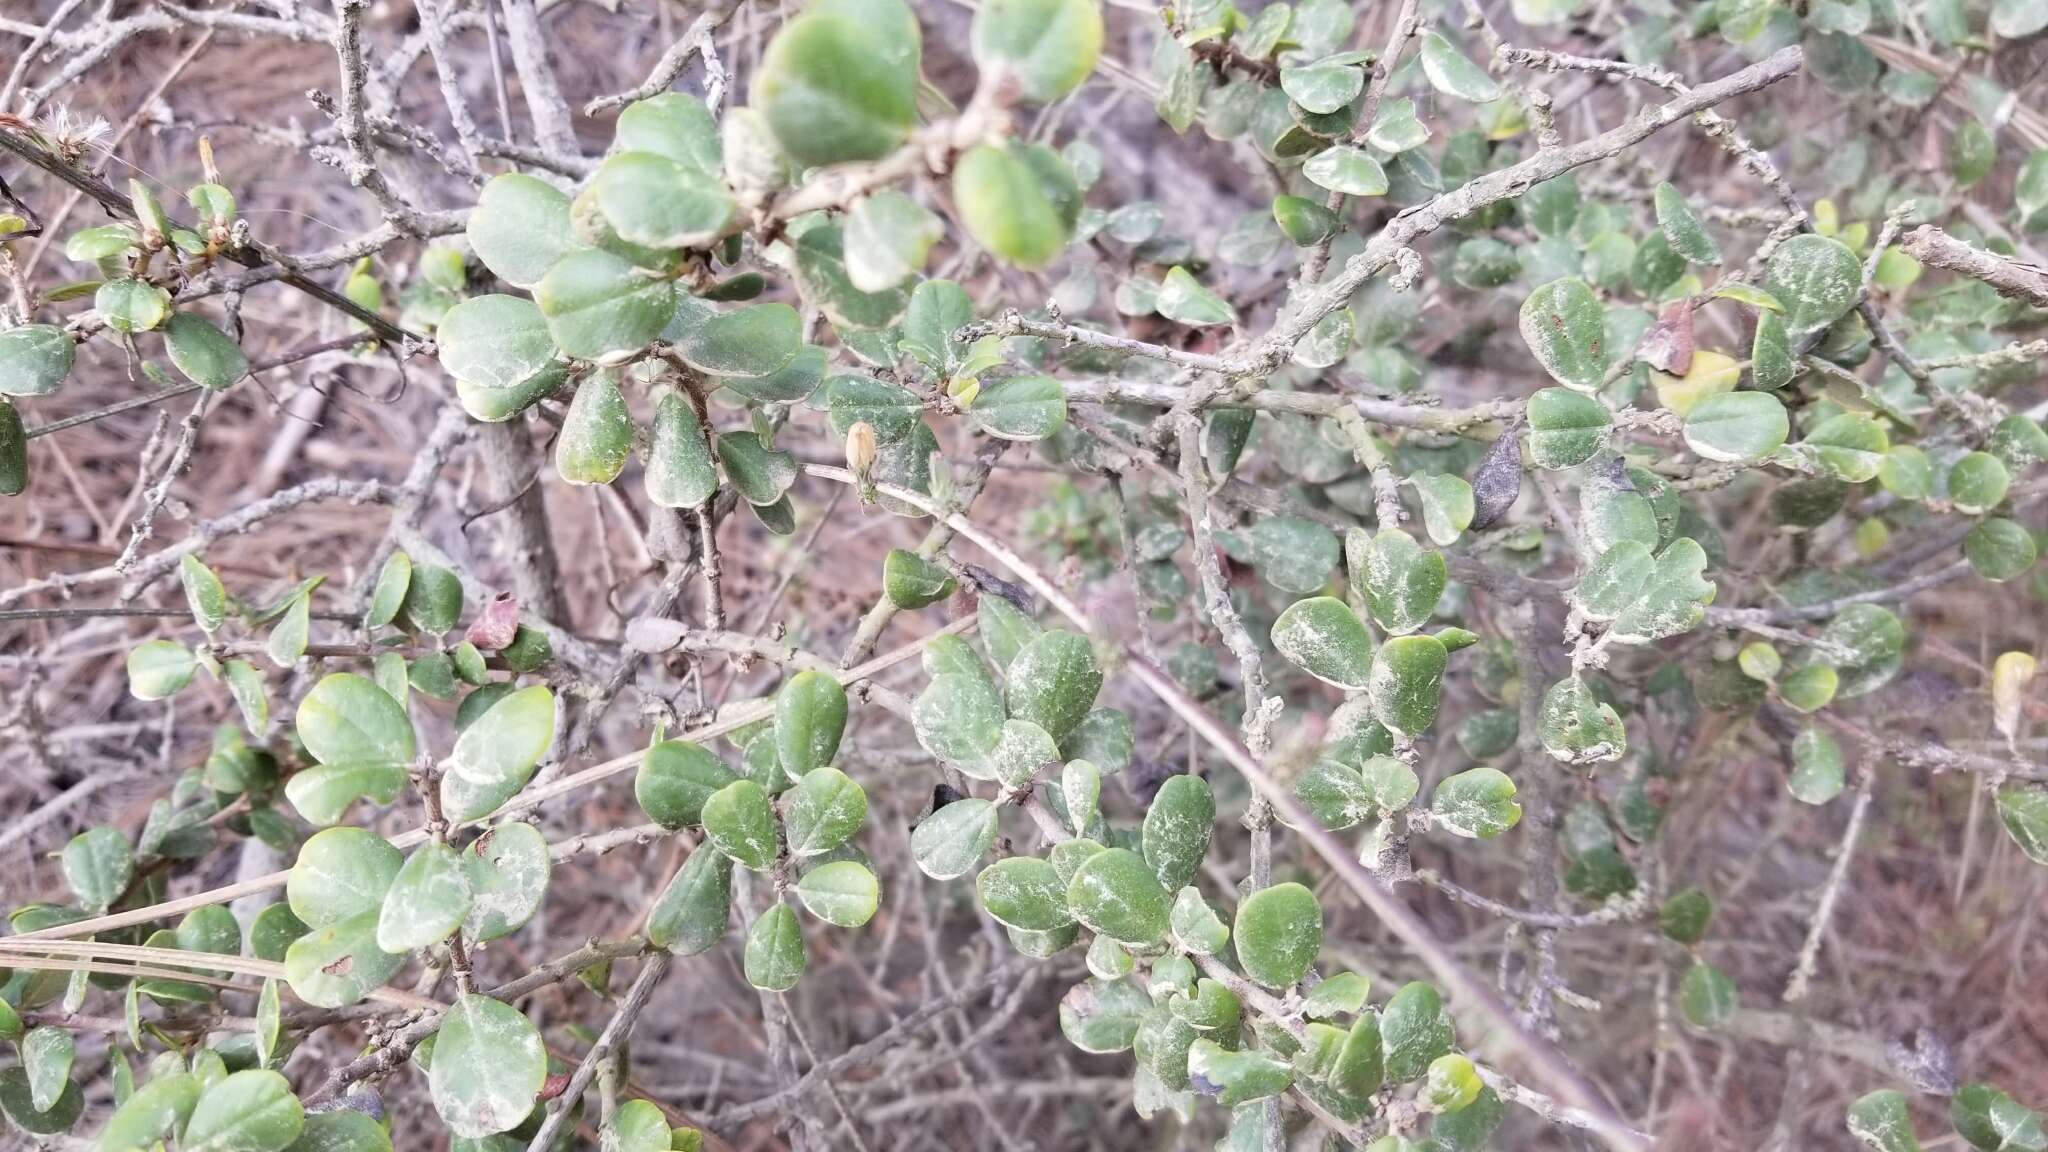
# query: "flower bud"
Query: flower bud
{"points": [[860, 449]]}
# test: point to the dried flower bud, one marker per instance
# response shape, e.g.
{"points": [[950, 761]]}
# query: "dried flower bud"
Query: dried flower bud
{"points": [[860, 449]]}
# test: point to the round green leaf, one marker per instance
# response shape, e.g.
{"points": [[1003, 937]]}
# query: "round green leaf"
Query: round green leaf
{"points": [[427, 902], [347, 719], [599, 307], [1323, 637], [810, 715], [1345, 169], [774, 958], [1399, 580], [249, 1111], [1817, 768], [1406, 684], [1114, 893], [341, 874], [842, 892], [839, 82], [1977, 483], [1020, 408], [651, 200], [1053, 682], [489, 1065], [520, 227], [1184, 300], [952, 840], [1047, 47], [495, 756], [1025, 892], [1682, 227], [597, 433], [1453, 74], [1278, 932], [2000, 550], [758, 340], [1563, 324], [910, 581], [676, 777], [1019, 202], [824, 810], [494, 341], [1565, 428], [203, 353], [1177, 828], [1102, 1016], [507, 870], [739, 823], [1478, 803], [1816, 278], [159, 669], [1706, 997], [1414, 1031], [1736, 427], [680, 473], [691, 914], [129, 305], [340, 963]]}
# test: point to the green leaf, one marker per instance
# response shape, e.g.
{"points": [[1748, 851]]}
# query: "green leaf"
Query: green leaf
{"points": [[824, 810], [339, 963], [887, 237], [1578, 727], [1414, 1031], [341, 874], [159, 669], [1883, 1122], [495, 756], [1849, 446], [2024, 811], [1447, 505], [1114, 893], [910, 581], [322, 794], [1102, 1016], [1478, 803], [1816, 278], [249, 1111], [1236, 1077], [16, 1104], [1397, 129], [1022, 750], [1685, 915], [1324, 637], [1024, 892], [674, 125], [34, 359], [129, 305], [651, 200], [761, 474], [959, 718], [1452, 74], [826, 284], [1809, 689], [273, 930], [203, 353], [810, 714], [289, 636], [2000, 550], [680, 473], [1022, 408], [692, 912], [1875, 641], [1399, 580], [599, 307], [520, 227], [507, 870], [1994, 1122], [739, 823], [13, 450], [1047, 47], [1103, 738], [46, 1055], [774, 957], [1406, 684], [1351, 171], [1565, 428], [1177, 827], [675, 778], [1278, 932], [1817, 767], [1184, 300], [427, 902], [1977, 483], [157, 1110], [597, 433], [494, 341], [1706, 997], [1671, 599], [1563, 324], [757, 340], [1292, 553], [98, 867], [489, 1065], [1053, 682], [1004, 629], [842, 892], [388, 595], [839, 82], [952, 840], [1737, 427], [1018, 201], [204, 594], [1451, 1085], [1906, 472], [1682, 227], [1195, 925], [1324, 86]]}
